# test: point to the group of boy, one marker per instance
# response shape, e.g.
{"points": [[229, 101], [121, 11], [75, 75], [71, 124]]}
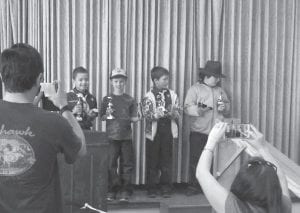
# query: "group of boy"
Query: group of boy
{"points": [[205, 103], [161, 110]]}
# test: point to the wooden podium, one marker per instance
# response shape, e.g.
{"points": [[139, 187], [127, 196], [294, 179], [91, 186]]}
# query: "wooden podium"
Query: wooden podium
{"points": [[86, 180]]}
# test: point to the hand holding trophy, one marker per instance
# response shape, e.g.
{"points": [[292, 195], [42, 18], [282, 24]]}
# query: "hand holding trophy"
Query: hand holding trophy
{"points": [[160, 112], [174, 111], [78, 109]]}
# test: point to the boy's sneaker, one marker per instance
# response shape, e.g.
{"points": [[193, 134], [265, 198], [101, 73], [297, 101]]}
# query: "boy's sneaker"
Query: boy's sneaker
{"points": [[152, 193], [192, 190], [166, 191], [111, 196], [124, 196]]}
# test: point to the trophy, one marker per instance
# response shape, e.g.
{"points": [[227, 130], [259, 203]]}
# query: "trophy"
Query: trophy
{"points": [[177, 109], [79, 116], [220, 101], [161, 102], [109, 109]]}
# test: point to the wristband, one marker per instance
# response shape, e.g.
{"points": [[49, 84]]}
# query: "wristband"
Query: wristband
{"points": [[64, 108]]}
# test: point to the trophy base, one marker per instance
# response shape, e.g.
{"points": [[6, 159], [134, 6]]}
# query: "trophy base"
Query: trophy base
{"points": [[110, 118]]}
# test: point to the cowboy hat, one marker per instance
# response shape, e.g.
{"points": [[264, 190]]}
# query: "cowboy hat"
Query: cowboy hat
{"points": [[212, 68]]}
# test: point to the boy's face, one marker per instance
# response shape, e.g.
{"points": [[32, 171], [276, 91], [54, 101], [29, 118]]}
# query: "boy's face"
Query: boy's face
{"points": [[118, 84], [211, 81], [81, 81], [162, 82]]}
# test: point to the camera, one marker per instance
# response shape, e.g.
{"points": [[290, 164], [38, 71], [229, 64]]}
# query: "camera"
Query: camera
{"points": [[237, 131], [49, 89]]}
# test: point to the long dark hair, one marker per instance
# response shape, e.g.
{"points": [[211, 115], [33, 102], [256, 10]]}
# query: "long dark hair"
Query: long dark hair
{"points": [[257, 183]]}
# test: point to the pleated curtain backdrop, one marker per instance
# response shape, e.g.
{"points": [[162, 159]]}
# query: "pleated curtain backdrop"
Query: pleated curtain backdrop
{"points": [[257, 41]]}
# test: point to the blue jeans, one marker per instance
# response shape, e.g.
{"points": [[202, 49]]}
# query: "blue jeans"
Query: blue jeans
{"points": [[123, 150]]}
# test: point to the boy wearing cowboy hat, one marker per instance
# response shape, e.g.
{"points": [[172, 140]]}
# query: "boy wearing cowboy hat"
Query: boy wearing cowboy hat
{"points": [[205, 103]]}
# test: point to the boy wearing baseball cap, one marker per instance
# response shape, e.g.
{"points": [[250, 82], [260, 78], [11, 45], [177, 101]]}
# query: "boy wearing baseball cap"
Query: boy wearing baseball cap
{"points": [[119, 110]]}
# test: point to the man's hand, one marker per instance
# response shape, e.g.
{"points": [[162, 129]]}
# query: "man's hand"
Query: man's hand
{"points": [[59, 99]]}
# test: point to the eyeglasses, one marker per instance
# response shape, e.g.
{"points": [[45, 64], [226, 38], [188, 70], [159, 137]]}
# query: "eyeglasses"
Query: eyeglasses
{"points": [[259, 162]]}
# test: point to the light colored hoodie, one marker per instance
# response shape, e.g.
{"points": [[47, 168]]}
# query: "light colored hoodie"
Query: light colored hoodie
{"points": [[201, 93]]}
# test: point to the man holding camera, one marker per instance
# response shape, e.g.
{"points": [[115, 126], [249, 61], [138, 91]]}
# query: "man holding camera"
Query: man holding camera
{"points": [[31, 138], [205, 103]]}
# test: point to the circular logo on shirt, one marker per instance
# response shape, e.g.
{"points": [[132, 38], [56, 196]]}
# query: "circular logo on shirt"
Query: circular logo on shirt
{"points": [[16, 155]]}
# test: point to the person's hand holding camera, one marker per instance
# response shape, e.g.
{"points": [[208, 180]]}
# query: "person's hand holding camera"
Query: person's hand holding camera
{"points": [[215, 135], [256, 139], [59, 99]]}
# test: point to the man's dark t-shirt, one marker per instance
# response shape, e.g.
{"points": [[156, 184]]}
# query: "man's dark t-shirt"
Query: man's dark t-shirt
{"points": [[30, 139]]}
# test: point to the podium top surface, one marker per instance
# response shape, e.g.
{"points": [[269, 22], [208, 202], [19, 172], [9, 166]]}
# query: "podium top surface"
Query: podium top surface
{"points": [[95, 137]]}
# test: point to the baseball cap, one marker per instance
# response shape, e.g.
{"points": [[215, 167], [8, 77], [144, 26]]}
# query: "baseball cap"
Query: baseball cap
{"points": [[118, 72]]}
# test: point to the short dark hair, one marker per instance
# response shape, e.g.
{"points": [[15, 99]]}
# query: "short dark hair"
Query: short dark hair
{"points": [[157, 72], [79, 70], [20, 65]]}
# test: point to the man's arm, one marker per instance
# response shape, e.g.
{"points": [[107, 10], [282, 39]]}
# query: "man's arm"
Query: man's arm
{"points": [[60, 100], [68, 115]]}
